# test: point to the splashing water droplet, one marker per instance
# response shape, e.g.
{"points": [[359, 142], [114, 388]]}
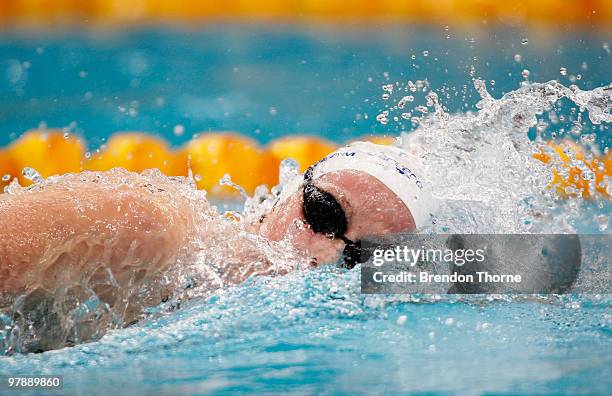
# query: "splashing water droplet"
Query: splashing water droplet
{"points": [[388, 88], [226, 180], [178, 130], [288, 169], [403, 101], [383, 117], [525, 73], [32, 175], [499, 129], [602, 222]]}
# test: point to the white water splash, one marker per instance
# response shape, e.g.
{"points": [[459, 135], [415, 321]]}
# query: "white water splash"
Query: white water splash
{"points": [[481, 164]]}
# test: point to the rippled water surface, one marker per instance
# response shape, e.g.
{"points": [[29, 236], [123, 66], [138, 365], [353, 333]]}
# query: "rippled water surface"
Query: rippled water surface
{"points": [[313, 333]]}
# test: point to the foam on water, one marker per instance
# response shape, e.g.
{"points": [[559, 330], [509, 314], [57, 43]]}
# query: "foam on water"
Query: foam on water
{"points": [[480, 163]]}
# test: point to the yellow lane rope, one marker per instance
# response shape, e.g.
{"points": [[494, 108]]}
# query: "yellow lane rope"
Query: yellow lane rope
{"points": [[211, 155], [476, 12]]}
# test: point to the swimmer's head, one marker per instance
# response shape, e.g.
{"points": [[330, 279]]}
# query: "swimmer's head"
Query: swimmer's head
{"points": [[359, 191]]}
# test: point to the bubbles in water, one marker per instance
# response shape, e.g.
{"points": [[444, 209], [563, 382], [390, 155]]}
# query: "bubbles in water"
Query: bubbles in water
{"points": [[425, 53], [6, 177], [563, 71], [606, 48], [524, 41], [518, 58]]}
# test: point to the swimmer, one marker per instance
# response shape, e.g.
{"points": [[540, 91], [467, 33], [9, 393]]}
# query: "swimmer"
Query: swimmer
{"points": [[134, 227], [120, 235]]}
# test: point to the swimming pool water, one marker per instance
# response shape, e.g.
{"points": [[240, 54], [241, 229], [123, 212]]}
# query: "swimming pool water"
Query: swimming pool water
{"points": [[311, 332], [314, 334], [267, 82]]}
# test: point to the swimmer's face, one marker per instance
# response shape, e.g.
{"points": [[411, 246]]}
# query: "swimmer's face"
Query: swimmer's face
{"points": [[370, 208]]}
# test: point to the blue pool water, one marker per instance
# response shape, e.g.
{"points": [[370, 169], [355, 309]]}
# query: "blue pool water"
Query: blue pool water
{"points": [[314, 334], [309, 333], [267, 82]]}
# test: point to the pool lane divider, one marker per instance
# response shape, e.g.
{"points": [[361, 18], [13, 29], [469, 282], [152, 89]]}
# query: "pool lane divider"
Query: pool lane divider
{"points": [[210, 156], [555, 13]]}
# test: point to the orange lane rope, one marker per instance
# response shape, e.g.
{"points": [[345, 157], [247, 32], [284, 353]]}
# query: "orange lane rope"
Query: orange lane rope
{"points": [[211, 155], [474, 12]]}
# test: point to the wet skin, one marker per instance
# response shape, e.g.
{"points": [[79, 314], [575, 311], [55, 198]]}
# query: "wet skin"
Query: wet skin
{"points": [[51, 238]]}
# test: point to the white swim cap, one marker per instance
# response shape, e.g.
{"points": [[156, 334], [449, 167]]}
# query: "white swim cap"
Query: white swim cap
{"points": [[400, 171]]}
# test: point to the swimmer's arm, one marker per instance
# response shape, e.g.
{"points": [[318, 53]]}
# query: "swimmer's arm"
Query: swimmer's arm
{"points": [[50, 238]]}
